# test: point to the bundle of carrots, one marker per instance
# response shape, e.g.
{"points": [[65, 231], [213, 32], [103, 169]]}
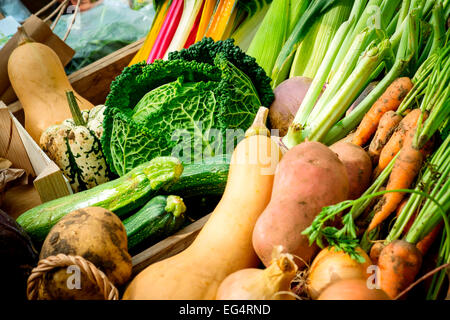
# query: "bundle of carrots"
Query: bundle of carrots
{"points": [[406, 134]]}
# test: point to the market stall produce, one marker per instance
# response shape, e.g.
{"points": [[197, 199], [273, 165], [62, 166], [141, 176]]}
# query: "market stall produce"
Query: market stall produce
{"points": [[244, 150]]}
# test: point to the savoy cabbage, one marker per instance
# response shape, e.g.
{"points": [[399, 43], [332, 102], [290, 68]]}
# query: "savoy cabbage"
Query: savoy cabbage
{"points": [[179, 107]]}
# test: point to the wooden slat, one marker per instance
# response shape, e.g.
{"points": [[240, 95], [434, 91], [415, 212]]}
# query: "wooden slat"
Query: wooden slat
{"points": [[169, 246], [11, 145], [39, 160], [51, 184]]}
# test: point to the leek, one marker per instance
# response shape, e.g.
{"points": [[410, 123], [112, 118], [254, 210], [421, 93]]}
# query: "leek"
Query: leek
{"points": [[246, 31], [314, 46], [283, 62], [271, 35]]}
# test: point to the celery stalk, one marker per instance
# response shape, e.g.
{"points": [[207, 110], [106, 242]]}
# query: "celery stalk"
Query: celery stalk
{"points": [[319, 80], [371, 14], [343, 72], [404, 55]]}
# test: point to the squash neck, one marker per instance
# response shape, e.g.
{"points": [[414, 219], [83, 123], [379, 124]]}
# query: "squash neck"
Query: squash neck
{"points": [[259, 124]]}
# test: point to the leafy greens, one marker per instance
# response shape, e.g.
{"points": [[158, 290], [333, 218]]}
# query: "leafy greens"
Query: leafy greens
{"points": [[182, 107]]}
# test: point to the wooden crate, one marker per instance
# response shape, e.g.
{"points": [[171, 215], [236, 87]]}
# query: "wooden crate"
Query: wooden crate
{"points": [[169, 246]]}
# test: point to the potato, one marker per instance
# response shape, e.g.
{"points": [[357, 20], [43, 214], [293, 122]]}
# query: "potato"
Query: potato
{"points": [[97, 235], [358, 165], [309, 177]]}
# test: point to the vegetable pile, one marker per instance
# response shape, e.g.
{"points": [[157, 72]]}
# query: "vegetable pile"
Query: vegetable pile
{"points": [[315, 132]]}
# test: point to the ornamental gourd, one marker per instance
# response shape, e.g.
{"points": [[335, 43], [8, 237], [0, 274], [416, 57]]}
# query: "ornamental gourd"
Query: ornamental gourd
{"points": [[40, 82], [74, 145]]}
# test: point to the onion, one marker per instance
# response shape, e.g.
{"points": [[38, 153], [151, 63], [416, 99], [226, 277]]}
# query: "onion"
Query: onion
{"points": [[330, 266], [272, 283], [288, 96], [352, 289]]}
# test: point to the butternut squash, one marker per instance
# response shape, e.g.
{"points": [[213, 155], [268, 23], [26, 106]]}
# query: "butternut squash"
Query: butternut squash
{"points": [[224, 245], [40, 82]]}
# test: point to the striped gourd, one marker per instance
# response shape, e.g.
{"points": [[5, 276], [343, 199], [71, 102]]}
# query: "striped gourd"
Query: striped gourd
{"points": [[74, 145]]}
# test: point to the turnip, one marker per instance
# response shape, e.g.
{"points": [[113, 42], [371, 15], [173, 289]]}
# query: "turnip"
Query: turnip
{"points": [[288, 97]]}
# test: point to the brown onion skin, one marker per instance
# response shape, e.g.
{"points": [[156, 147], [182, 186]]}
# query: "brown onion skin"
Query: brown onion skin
{"points": [[330, 266], [352, 289]]}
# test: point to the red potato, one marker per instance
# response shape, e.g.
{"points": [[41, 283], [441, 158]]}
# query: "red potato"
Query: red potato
{"points": [[309, 177], [358, 165], [352, 289]]}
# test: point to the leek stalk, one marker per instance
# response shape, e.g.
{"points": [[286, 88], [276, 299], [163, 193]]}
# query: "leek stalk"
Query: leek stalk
{"points": [[284, 60], [314, 46], [246, 31], [271, 35]]}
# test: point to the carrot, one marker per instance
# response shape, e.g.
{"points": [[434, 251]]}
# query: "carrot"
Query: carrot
{"points": [[375, 251], [406, 167], [425, 244], [411, 220], [399, 263], [388, 101], [403, 133], [386, 128]]}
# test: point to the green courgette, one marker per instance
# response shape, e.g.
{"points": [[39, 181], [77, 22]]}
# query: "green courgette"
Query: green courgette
{"points": [[121, 196], [159, 218], [205, 178]]}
